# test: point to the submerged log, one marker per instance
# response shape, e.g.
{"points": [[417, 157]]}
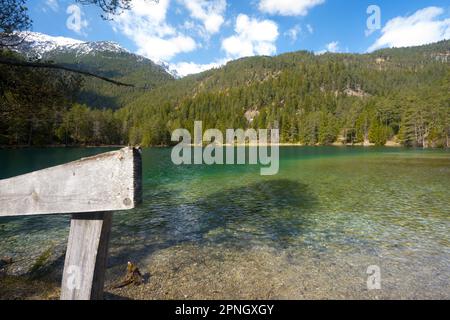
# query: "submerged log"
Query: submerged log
{"points": [[133, 276]]}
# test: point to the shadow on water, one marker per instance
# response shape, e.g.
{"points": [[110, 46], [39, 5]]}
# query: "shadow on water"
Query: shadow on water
{"points": [[271, 212], [274, 210]]}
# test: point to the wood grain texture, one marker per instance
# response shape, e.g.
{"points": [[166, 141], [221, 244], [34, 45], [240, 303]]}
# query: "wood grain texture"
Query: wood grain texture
{"points": [[106, 182], [86, 256]]}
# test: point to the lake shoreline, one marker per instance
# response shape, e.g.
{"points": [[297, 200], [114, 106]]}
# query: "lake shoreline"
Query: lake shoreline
{"points": [[187, 271], [337, 145], [51, 146]]}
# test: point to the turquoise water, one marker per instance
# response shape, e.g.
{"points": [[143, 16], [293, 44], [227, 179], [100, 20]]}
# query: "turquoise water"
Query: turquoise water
{"points": [[331, 212]]}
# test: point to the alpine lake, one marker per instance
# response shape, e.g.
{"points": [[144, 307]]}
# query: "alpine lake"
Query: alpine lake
{"points": [[224, 231]]}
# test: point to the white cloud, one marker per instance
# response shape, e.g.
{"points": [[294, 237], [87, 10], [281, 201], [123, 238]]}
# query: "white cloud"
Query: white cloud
{"points": [[186, 68], [293, 32], [288, 7], [75, 21], [332, 47], [52, 4], [420, 28], [159, 49], [253, 37], [145, 23], [209, 12], [310, 28]]}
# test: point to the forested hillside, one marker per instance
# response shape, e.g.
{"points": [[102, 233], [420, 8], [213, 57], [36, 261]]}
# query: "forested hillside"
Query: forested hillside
{"points": [[103, 58], [37, 106], [392, 94], [400, 95], [121, 66]]}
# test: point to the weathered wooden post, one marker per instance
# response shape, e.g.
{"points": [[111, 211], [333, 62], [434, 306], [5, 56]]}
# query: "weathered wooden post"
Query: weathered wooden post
{"points": [[89, 189]]}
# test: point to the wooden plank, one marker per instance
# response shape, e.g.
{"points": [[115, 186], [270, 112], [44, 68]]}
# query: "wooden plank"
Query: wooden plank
{"points": [[106, 182], [86, 256]]}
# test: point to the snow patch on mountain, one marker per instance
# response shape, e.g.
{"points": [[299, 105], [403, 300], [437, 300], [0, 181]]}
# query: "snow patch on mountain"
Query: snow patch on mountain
{"points": [[38, 44], [170, 69]]}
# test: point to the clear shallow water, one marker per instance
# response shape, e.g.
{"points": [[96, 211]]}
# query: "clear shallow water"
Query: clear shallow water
{"points": [[316, 226]]}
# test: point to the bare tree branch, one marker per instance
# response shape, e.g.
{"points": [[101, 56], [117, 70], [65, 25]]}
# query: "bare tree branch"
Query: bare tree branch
{"points": [[59, 67], [111, 8]]}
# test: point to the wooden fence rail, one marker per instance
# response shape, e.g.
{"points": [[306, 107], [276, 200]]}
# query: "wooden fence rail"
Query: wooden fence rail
{"points": [[89, 189]]}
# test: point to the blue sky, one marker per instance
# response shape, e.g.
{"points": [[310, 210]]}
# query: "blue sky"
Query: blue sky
{"points": [[193, 35]]}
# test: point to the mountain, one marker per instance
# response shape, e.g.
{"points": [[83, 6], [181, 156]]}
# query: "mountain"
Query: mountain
{"points": [[35, 44], [104, 58], [399, 94]]}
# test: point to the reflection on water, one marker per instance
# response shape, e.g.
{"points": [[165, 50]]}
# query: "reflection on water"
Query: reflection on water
{"points": [[313, 229]]}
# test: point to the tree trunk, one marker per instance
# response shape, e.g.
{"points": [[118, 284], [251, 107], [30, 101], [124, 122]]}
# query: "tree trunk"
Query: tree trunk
{"points": [[447, 140], [30, 133]]}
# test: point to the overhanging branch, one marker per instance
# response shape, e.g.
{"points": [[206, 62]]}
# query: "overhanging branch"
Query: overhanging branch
{"points": [[59, 67]]}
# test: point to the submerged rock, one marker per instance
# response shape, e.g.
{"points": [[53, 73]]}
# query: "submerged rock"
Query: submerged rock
{"points": [[4, 262]]}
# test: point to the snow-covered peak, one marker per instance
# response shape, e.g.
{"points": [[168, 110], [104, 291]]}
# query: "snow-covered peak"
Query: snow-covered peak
{"points": [[93, 47], [35, 43], [38, 37], [169, 69]]}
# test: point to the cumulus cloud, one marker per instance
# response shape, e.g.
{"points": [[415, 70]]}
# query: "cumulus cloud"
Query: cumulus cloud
{"points": [[75, 21], [186, 68], [332, 47], [209, 12], [420, 28], [160, 49], [253, 37], [145, 24], [288, 7]]}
